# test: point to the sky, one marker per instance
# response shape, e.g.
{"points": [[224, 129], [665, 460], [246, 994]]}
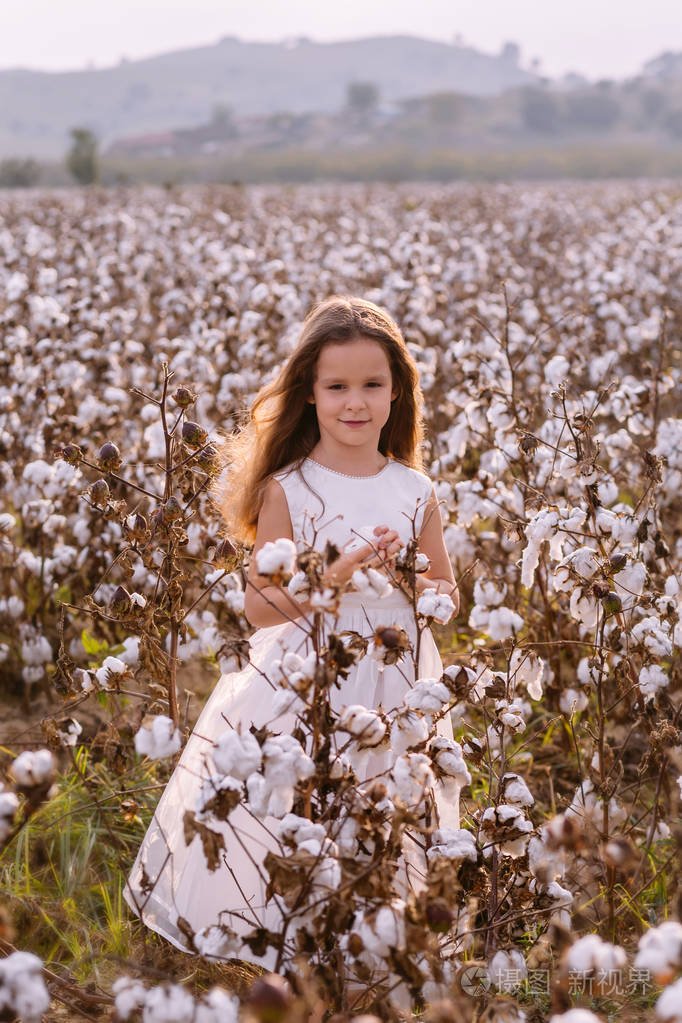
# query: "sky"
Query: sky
{"points": [[598, 38]]}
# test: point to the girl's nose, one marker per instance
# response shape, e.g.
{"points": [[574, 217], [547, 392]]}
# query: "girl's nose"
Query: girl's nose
{"points": [[355, 399]]}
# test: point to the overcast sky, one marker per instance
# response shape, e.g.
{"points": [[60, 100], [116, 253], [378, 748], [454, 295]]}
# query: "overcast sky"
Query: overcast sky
{"points": [[600, 38]]}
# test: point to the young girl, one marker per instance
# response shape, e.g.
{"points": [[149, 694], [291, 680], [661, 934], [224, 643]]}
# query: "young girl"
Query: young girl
{"points": [[331, 453]]}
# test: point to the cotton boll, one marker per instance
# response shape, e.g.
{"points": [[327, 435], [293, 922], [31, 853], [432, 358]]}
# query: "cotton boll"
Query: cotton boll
{"points": [[514, 790], [218, 942], [277, 558], [575, 1016], [651, 680], [454, 844], [217, 797], [363, 724], [503, 623], [650, 632], [371, 583], [583, 562], [660, 951], [513, 713], [13, 607], [584, 609], [589, 671], [129, 995], [592, 955], [438, 606], [669, 1004], [507, 970], [70, 731], [324, 600], [557, 369], [459, 546], [448, 759], [428, 695], [630, 582], [169, 1003], [489, 592], [572, 701], [506, 827], [295, 830], [237, 755], [588, 809], [299, 586], [411, 778], [36, 650], [408, 729], [546, 862], [541, 528], [296, 672], [382, 930], [131, 649], [9, 804], [217, 1006], [158, 738], [22, 988], [111, 666], [33, 768], [285, 763]]}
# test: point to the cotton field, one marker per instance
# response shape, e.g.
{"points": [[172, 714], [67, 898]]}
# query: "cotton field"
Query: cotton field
{"points": [[546, 322]]}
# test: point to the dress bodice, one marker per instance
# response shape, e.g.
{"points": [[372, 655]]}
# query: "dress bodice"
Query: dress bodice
{"points": [[325, 505]]}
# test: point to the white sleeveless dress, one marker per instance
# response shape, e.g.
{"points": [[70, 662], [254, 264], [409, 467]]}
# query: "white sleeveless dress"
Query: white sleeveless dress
{"points": [[323, 505]]}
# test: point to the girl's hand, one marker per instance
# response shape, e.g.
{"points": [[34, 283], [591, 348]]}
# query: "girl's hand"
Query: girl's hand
{"points": [[372, 555], [388, 543]]}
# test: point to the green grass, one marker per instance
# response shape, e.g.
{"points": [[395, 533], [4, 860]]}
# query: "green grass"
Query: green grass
{"points": [[63, 877]]}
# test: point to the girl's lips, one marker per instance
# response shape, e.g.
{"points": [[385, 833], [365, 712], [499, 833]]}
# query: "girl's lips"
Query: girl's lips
{"points": [[354, 422]]}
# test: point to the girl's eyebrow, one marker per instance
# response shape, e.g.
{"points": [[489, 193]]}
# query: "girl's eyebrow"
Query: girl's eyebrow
{"points": [[342, 380]]}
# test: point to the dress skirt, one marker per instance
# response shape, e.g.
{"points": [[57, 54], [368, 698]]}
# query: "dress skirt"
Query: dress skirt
{"points": [[170, 880]]}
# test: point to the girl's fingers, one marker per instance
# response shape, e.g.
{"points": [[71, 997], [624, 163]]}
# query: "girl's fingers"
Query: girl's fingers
{"points": [[387, 538]]}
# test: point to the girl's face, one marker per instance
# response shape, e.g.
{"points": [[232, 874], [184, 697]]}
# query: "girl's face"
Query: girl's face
{"points": [[352, 393]]}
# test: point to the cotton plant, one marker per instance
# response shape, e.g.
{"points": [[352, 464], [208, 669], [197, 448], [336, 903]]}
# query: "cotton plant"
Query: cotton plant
{"points": [[349, 828]]}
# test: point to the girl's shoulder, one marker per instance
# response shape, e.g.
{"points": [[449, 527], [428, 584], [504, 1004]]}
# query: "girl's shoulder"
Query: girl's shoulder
{"points": [[285, 472], [416, 477]]}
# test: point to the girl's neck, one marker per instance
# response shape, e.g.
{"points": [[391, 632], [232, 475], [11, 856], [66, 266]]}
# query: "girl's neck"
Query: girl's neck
{"points": [[353, 462]]}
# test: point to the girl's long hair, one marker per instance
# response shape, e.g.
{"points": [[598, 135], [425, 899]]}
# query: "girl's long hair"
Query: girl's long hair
{"points": [[281, 428]]}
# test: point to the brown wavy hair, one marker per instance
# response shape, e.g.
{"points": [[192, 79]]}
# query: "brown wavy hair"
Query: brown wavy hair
{"points": [[281, 426]]}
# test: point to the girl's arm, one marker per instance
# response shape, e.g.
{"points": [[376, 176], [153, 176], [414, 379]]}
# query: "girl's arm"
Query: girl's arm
{"points": [[265, 603], [431, 543]]}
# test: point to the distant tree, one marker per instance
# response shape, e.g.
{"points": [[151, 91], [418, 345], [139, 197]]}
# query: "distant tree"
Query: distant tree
{"points": [[81, 159], [593, 109], [666, 65], [444, 107], [222, 115], [361, 97], [511, 54], [539, 111], [18, 173], [653, 103], [673, 123]]}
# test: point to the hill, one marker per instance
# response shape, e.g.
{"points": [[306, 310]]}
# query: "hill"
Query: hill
{"points": [[37, 109]]}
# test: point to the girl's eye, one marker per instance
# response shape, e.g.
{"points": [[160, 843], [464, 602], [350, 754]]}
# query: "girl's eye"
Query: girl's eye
{"points": [[370, 383]]}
